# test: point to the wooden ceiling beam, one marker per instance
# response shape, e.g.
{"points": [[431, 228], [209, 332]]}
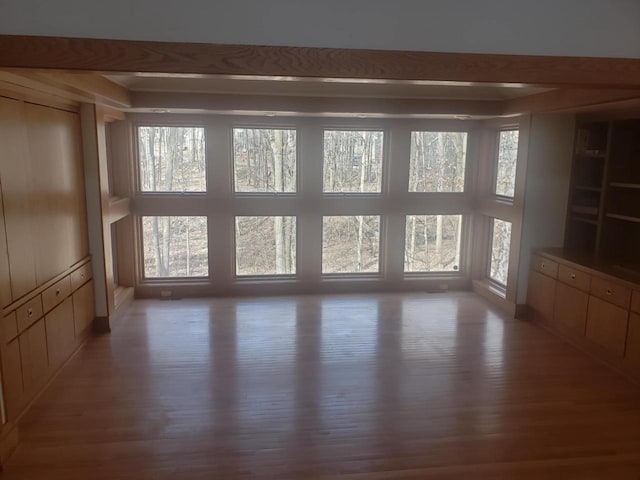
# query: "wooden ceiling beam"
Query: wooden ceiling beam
{"points": [[568, 100], [99, 55], [278, 104]]}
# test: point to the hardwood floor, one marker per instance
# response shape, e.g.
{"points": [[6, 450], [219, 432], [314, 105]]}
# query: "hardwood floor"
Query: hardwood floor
{"points": [[394, 386]]}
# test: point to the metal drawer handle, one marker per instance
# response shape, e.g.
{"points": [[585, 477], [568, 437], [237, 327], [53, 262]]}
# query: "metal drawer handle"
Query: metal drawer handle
{"points": [[573, 276], [608, 291], [30, 312]]}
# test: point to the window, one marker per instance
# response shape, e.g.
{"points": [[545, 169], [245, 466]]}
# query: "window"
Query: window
{"points": [[265, 245], [432, 243], [175, 247], [351, 244], [352, 161], [500, 246], [171, 159], [437, 161], [264, 160], [506, 164]]}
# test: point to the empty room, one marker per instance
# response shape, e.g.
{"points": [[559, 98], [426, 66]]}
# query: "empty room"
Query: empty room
{"points": [[319, 240]]}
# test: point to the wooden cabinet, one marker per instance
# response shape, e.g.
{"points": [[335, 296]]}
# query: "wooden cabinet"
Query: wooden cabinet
{"points": [[591, 306], [541, 294], [570, 311], [5, 278], [632, 353], [607, 325], [34, 358], [83, 309], [40, 334], [12, 378], [17, 195], [60, 333], [60, 227]]}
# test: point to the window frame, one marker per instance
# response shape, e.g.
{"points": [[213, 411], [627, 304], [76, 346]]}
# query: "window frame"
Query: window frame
{"points": [[347, 275], [496, 158], [168, 280], [137, 169], [221, 204], [261, 126], [464, 229], [467, 183], [383, 161], [502, 287], [267, 276]]}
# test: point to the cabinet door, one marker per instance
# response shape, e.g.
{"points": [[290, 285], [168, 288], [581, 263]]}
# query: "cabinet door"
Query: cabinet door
{"points": [[17, 195], [632, 353], [5, 279], [570, 311], [60, 333], [540, 294], [33, 352], [607, 325], [83, 309], [54, 143], [12, 378]]}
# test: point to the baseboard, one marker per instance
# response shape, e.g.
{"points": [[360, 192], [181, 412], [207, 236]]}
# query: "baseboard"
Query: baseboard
{"points": [[101, 325], [483, 289], [522, 310]]}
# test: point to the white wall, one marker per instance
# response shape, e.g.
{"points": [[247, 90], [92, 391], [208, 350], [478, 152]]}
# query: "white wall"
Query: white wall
{"points": [[608, 28], [547, 190]]}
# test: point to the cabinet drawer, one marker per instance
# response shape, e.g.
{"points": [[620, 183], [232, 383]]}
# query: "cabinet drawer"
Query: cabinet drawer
{"points": [[9, 327], [611, 292], [607, 325], [635, 301], [56, 293], [80, 276], [574, 277], [29, 313], [544, 265]]}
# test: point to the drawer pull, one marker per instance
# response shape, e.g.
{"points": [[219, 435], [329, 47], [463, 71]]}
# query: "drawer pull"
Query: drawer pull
{"points": [[542, 265], [82, 275], [608, 291], [57, 292], [573, 276], [30, 312]]}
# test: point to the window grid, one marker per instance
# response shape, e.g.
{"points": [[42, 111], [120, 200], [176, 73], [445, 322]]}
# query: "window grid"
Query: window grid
{"points": [[223, 264]]}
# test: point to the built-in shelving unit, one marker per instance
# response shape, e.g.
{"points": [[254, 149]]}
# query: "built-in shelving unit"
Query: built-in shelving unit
{"points": [[603, 219]]}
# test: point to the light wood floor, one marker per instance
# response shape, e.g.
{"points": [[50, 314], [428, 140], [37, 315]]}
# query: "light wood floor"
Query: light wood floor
{"points": [[391, 386]]}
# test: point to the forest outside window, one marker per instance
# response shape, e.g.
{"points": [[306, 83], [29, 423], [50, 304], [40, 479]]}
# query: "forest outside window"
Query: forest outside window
{"points": [[506, 163], [265, 245], [352, 161], [171, 159], [351, 244], [500, 249], [264, 160], [175, 247], [432, 243], [437, 161]]}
